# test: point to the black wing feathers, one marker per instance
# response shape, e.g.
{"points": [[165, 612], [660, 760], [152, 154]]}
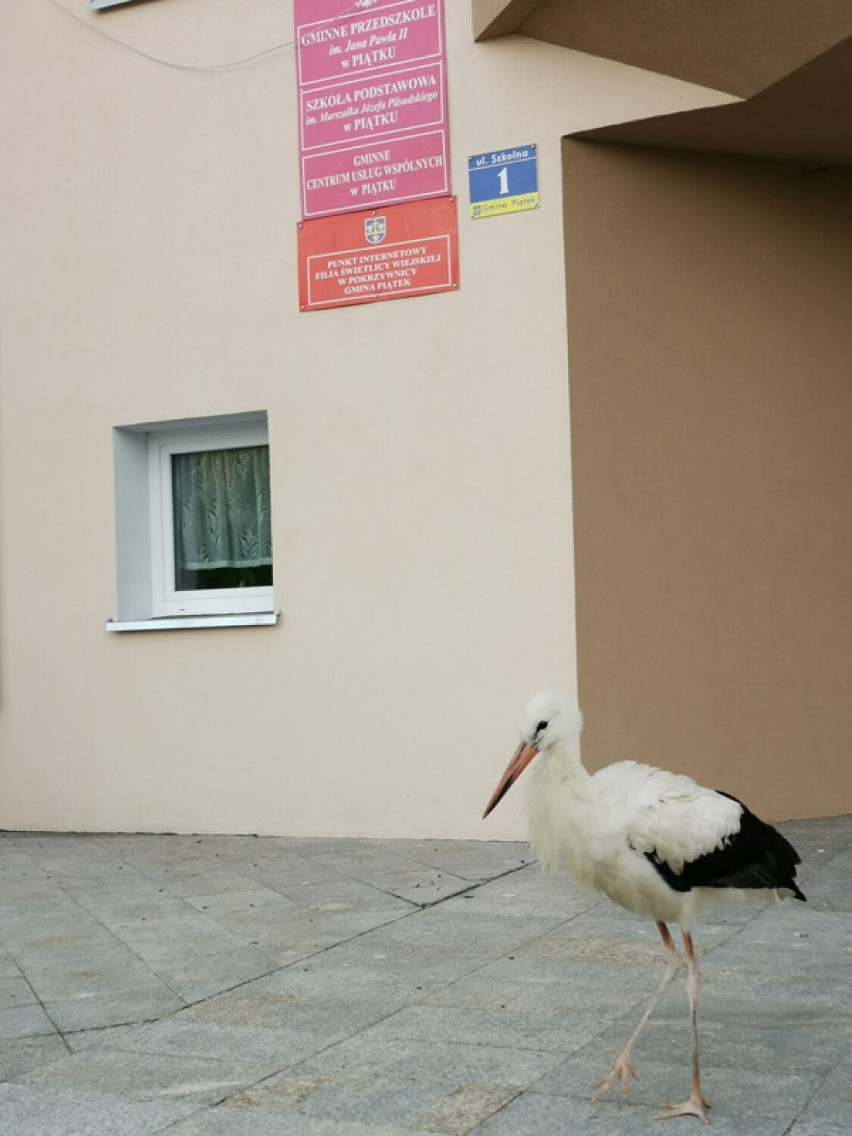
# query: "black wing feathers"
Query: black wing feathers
{"points": [[757, 856]]}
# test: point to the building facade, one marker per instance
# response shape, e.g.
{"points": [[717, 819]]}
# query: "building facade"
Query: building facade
{"points": [[613, 456]]}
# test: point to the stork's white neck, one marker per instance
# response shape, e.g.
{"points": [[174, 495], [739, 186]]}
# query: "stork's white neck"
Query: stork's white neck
{"points": [[559, 798], [561, 761]]}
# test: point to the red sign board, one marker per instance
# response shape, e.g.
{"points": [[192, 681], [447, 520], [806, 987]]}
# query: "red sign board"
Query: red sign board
{"points": [[378, 254], [372, 103]]}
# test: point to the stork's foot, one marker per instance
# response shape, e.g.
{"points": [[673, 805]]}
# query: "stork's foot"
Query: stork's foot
{"points": [[620, 1071], [695, 1106]]}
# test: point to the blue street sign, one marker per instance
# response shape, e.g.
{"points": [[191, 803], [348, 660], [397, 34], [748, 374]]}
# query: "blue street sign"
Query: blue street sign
{"points": [[503, 181]]}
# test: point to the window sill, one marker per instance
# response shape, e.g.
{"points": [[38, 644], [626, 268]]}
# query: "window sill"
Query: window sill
{"points": [[188, 622]]}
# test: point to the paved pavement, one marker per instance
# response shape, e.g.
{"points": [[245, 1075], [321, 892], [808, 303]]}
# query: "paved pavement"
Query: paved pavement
{"points": [[227, 986]]}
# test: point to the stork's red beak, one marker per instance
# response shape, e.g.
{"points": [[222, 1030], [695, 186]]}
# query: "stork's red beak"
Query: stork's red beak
{"points": [[521, 758]]}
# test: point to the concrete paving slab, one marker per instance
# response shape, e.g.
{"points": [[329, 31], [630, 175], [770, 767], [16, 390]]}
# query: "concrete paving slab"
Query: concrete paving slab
{"points": [[422, 887], [192, 955], [220, 986], [260, 1008], [546, 1115], [349, 903], [734, 1035], [83, 966], [541, 1114], [24, 1021], [374, 1098], [146, 1077], [531, 892], [810, 1127], [833, 1099], [553, 1033], [101, 1037], [492, 1065], [256, 902], [32, 1110], [273, 1049], [15, 991], [523, 981], [226, 1121], [20, 1055], [143, 1001], [283, 931], [339, 977], [734, 1092]]}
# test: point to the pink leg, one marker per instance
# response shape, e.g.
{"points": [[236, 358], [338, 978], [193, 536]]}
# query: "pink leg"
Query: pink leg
{"points": [[623, 1067], [696, 1104]]}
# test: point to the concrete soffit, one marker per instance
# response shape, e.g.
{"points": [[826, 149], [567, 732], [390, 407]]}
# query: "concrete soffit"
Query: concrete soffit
{"points": [[790, 64]]}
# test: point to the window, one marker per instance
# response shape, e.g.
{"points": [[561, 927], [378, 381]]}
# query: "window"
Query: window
{"points": [[193, 523]]}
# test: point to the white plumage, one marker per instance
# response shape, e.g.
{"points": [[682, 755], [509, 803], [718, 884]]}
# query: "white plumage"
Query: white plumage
{"points": [[657, 843]]}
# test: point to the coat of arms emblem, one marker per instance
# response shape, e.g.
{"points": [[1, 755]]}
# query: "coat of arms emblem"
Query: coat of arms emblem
{"points": [[375, 229]]}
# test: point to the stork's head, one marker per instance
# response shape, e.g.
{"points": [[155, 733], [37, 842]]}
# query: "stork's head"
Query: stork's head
{"points": [[549, 723]]}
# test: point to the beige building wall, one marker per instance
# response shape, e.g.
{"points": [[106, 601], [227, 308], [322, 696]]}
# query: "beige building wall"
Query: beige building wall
{"points": [[420, 448], [709, 344]]}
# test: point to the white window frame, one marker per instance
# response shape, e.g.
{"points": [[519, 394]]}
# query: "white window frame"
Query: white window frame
{"points": [[147, 598], [165, 597]]}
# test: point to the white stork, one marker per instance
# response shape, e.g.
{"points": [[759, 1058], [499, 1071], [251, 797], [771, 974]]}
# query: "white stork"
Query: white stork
{"points": [[657, 843]]}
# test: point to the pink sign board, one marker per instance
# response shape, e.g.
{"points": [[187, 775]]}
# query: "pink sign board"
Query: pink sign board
{"points": [[372, 103]]}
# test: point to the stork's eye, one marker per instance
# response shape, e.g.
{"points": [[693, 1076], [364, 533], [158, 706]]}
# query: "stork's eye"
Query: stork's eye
{"points": [[541, 726]]}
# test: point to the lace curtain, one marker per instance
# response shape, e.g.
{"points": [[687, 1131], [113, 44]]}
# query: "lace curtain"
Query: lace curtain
{"points": [[221, 509]]}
